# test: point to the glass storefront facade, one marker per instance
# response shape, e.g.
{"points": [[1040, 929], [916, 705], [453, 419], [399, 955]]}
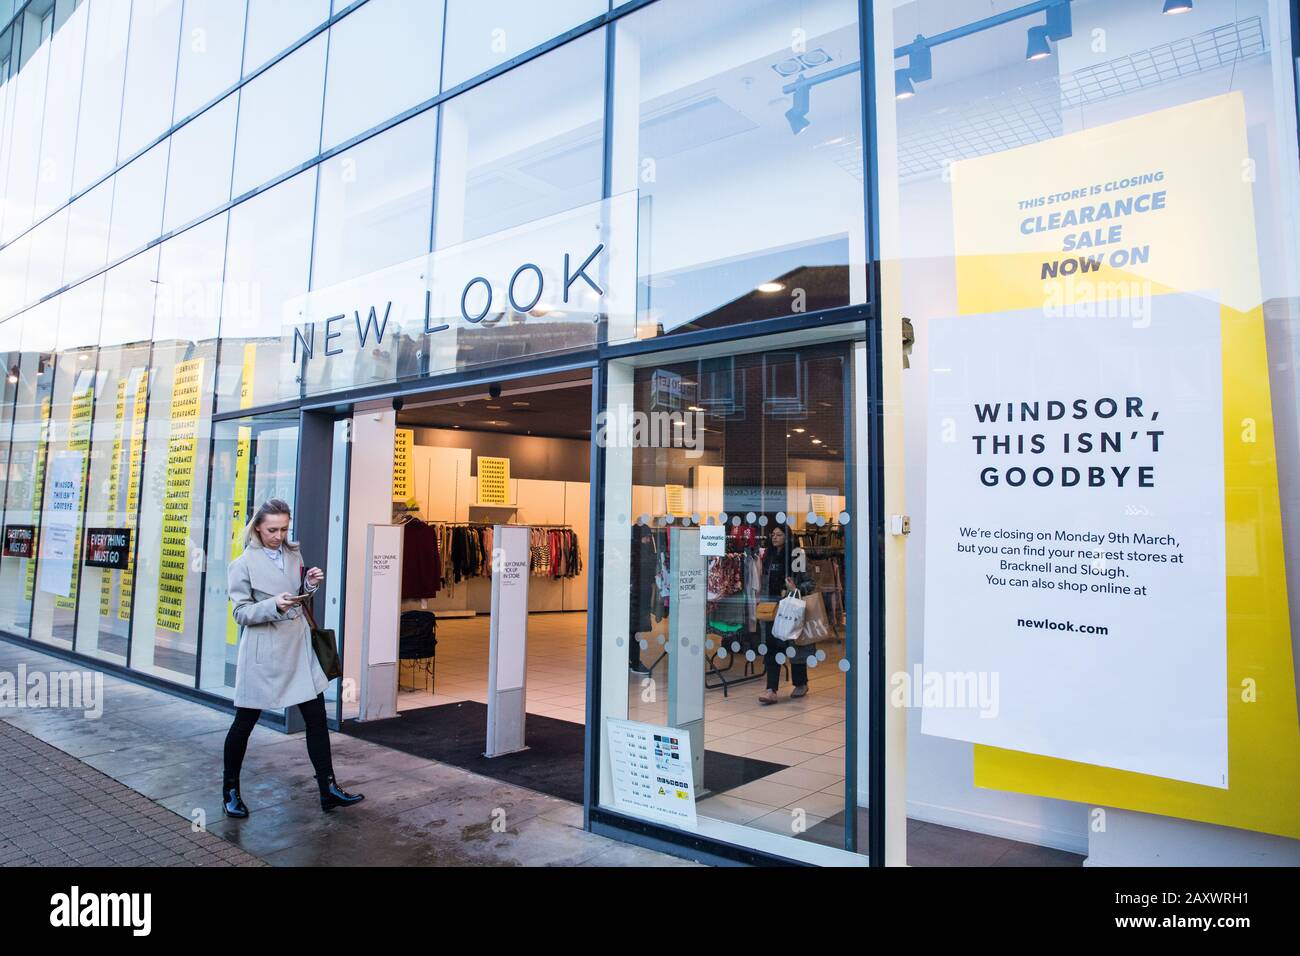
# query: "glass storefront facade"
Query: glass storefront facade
{"points": [[220, 220]]}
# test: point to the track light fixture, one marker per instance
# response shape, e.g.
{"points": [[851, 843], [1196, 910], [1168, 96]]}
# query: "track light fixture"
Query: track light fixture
{"points": [[797, 114], [917, 69], [1057, 27], [1039, 48]]}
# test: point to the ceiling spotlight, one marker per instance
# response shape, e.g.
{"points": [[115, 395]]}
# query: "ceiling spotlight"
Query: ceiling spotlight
{"points": [[918, 67], [797, 114], [799, 430], [903, 89], [1177, 6], [1039, 47], [816, 441], [770, 287]]}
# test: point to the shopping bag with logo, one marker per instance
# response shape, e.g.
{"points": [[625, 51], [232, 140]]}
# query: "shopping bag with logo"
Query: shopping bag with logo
{"points": [[789, 618], [816, 622]]}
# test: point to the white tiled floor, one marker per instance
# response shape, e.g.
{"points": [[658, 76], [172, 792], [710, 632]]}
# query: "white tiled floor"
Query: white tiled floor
{"points": [[557, 665], [805, 735]]}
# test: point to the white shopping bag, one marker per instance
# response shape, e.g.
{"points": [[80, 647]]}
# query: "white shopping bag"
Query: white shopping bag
{"points": [[788, 625]]}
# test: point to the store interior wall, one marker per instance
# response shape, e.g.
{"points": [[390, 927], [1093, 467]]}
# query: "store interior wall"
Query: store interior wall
{"points": [[548, 482]]}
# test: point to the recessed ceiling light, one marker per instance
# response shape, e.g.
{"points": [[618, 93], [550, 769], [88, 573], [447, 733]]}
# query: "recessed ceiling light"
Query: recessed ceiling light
{"points": [[817, 441], [493, 407], [694, 408], [679, 424], [770, 287], [519, 404], [799, 430]]}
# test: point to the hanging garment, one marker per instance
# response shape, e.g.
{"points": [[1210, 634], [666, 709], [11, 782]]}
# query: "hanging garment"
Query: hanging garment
{"points": [[421, 562], [644, 563], [752, 572], [723, 576]]}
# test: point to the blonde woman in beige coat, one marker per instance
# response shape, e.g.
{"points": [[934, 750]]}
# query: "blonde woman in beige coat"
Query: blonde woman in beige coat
{"points": [[276, 666]]}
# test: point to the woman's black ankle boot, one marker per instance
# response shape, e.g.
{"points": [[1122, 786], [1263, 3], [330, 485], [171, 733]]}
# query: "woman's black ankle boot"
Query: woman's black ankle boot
{"points": [[332, 795], [231, 803]]}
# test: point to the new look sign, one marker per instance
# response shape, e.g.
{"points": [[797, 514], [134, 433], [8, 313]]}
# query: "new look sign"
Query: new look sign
{"points": [[541, 287]]}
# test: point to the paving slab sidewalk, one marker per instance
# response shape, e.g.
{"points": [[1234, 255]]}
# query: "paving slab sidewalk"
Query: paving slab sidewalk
{"points": [[140, 785]]}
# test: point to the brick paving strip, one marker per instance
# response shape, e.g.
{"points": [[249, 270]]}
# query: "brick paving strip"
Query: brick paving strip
{"points": [[57, 811]]}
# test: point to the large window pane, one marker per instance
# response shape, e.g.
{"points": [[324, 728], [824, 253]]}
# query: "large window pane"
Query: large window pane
{"points": [[168, 578], [523, 146], [101, 92], [267, 265], [113, 495], [375, 202], [1070, 224], [45, 262], [25, 144], [751, 198], [483, 35], [67, 465], [150, 73], [754, 443], [13, 274], [88, 222], [198, 176], [67, 53], [383, 59], [11, 345], [274, 25], [26, 481], [138, 202], [279, 117], [212, 43], [253, 459], [373, 212]]}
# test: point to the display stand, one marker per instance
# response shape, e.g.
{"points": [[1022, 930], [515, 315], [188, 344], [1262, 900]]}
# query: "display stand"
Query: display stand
{"points": [[382, 622], [508, 655], [686, 657]]}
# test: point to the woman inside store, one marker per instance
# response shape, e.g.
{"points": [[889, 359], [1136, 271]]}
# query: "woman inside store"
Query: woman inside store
{"points": [[780, 576], [276, 665]]}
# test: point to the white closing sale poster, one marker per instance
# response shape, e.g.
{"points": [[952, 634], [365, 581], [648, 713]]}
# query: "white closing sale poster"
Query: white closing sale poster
{"points": [[1075, 590], [59, 548]]}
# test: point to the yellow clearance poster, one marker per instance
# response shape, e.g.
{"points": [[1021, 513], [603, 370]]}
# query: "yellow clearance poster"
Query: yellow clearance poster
{"points": [[243, 449], [181, 447], [493, 481], [135, 461], [38, 483], [675, 499], [1114, 218], [114, 489], [403, 439]]}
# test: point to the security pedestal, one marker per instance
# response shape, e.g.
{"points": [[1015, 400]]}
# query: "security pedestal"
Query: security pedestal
{"points": [[382, 621], [686, 657], [508, 656]]}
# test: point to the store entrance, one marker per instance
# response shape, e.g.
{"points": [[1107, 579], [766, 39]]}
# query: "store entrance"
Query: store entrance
{"points": [[464, 464]]}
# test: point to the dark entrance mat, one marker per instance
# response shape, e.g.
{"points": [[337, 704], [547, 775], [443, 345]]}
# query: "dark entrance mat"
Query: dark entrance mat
{"points": [[455, 734]]}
